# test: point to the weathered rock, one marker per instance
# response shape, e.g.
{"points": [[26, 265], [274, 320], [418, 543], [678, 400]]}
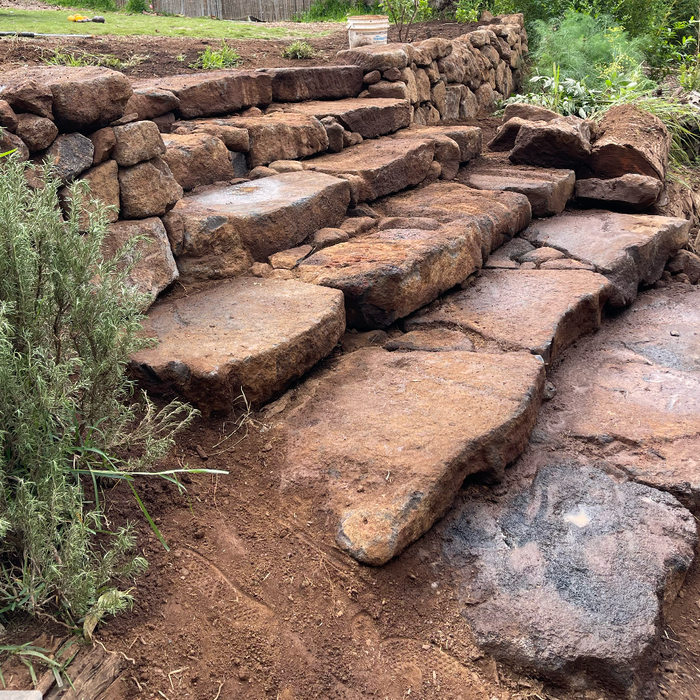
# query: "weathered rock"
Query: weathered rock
{"points": [[377, 57], [38, 133], [368, 117], [382, 167], [630, 140], [431, 340], [82, 99], [289, 259], [214, 92], [569, 575], [468, 104], [352, 341], [245, 335], [507, 133], [374, 76], [423, 223], [685, 262], [356, 226], [541, 311], [633, 192], [11, 142], [281, 136], [541, 255], [497, 215], [221, 232], [447, 152], [486, 99], [164, 122], [547, 190], [387, 275], [335, 133], [315, 83], [261, 171], [427, 419], [27, 95], [71, 155], [104, 188], [327, 237], [531, 113], [565, 264], [148, 189], [628, 249], [561, 143], [137, 142], [150, 102], [155, 269], [235, 138], [104, 141], [384, 88], [8, 118], [197, 159]]}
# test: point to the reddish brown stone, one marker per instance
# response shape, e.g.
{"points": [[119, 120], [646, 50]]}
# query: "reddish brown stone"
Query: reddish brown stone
{"points": [[137, 142], [148, 189], [198, 159], [38, 133]]}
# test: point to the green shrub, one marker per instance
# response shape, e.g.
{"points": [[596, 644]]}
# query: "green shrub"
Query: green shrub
{"points": [[136, 6], [299, 50], [336, 10], [103, 5], [213, 59], [68, 417], [468, 11]]}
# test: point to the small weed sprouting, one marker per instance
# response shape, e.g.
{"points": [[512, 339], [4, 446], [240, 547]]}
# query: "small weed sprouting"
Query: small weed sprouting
{"points": [[299, 50], [214, 59], [59, 57]]}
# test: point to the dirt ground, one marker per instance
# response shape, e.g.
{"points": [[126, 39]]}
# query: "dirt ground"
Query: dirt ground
{"points": [[147, 56]]}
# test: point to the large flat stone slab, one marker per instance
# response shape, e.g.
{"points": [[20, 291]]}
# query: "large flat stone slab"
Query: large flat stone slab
{"points": [[78, 99], [568, 575], [388, 438], [387, 275], [220, 232], [628, 249], [369, 117], [379, 167], [542, 311], [245, 335], [498, 215], [315, 83], [214, 92], [548, 189]]}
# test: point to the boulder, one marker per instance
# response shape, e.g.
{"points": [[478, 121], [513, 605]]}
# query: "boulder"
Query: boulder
{"points": [[548, 190], [150, 102], [209, 93], [430, 340], [568, 575], [81, 99], [379, 57], [468, 138], [685, 262], [504, 140], [497, 215], [197, 159], [155, 269], [327, 237], [136, 142], [235, 138], [384, 88], [281, 136], [628, 249], [543, 312], [315, 83], [8, 118], [629, 191], [289, 259], [38, 133], [388, 438], [104, 141], [630, 140], [531, 113], [368, 117], [247, 336], [387, 275], [561, 143], [221, 232], [11, 142], [447, 151], [148, 189], [71, 154], [380, 167], [104, 188]]}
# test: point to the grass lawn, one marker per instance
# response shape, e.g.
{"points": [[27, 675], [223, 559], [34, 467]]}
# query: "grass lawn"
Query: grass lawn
{"points": [[122, 24]]}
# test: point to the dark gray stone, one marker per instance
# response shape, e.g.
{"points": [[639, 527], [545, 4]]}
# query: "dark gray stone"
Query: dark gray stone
{"points": [[71, 154]]}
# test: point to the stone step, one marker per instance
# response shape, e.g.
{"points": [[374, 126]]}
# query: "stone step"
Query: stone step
{"points": [[244, 335], [388, 438], [220, 232], [629, 249], [548, 189], [498, 215], [541, 311], [315, 83], [369, 117], [387, 275], [379, 167]]}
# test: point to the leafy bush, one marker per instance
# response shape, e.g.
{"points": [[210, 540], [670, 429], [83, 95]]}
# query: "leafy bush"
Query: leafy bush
{"points": [[467, 11], [136, 6], [403, 13], [336, 10], [299, 50], [213, 59], [104, 5], [68, 419]]}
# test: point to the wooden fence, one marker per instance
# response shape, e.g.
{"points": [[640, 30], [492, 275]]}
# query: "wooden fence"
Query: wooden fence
{"points": [[267, 10]]}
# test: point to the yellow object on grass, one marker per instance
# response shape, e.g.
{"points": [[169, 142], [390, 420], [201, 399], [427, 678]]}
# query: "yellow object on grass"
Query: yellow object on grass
{"points": [[76, 18]]}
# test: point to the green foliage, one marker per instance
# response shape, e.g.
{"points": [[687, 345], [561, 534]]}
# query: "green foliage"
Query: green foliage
{"points": [[136, 6], [299, 50], [104, 5], [59, 57], [403, 13], [213, 59], [68, 323], [336, 10], [468, 10]]}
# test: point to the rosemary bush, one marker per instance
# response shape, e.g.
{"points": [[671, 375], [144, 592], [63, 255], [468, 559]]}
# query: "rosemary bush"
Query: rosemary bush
{"points": [[68, 414]]}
